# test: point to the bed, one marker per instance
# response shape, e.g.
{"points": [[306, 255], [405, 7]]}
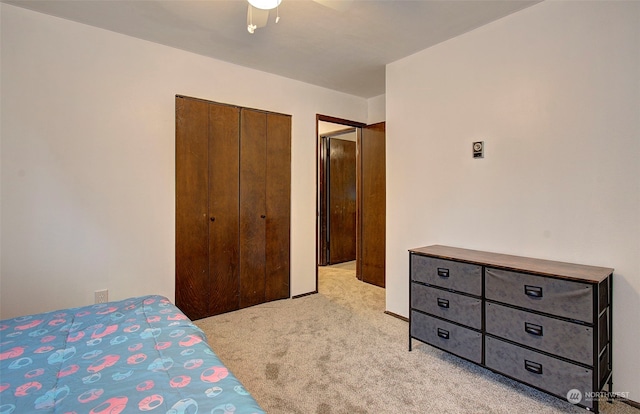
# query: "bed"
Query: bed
{"points": [[136, 355]]}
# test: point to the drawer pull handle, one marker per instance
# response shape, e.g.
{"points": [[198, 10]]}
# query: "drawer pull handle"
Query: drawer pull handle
{"points": [[442, 272], [533, 329], [533, 291], [533, 367], [443, 303], [444, 334]]}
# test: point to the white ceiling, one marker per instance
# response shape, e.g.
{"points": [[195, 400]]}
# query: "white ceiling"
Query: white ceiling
{"points": [[344, 47]]}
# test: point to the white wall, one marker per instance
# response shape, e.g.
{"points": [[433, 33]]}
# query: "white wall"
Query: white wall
{"points": [[376, 109], [87, 179], [553, 91], [325, 127]]}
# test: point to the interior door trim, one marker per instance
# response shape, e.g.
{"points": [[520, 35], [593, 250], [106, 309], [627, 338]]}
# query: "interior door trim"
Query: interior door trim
{"points": [[334, 120]]}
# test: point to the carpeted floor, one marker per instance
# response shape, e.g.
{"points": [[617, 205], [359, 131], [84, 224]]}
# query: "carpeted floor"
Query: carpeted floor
{"points": [[337, 352]]}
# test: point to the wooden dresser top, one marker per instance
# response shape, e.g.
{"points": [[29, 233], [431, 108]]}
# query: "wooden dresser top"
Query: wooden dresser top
{"points": [[582, 273]]}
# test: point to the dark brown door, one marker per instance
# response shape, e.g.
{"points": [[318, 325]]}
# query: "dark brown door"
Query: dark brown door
{"points": [[224, 199], [342, 200], [207, 201], [253, 169], [372, 205], [192, 221], [278, 207]]}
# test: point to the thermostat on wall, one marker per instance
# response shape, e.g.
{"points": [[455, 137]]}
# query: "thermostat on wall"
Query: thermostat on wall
{"points": [[478, 149]]}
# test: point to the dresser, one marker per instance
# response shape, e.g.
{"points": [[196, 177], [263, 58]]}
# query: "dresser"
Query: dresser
{"points": [[544, 323]]}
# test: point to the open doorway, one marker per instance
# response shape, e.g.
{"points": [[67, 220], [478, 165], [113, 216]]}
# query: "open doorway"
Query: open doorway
{"points": [[337, 194], [351, 197]]}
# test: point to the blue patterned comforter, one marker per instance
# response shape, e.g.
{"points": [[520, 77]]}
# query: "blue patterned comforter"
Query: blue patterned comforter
{"points": [[136, 355]]}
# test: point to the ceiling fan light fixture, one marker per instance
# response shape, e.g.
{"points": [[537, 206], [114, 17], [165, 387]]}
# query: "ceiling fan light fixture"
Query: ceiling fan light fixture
{"points": [[265, 4]]}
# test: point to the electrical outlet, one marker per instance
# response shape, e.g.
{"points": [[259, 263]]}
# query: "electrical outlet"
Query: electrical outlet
{"points": [[101, 296]]}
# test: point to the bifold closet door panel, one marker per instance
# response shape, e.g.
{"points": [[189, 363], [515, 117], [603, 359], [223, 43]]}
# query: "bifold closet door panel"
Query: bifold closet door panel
{"points": [[192, 182], [253, 157], [278, 207], [224, 212]]}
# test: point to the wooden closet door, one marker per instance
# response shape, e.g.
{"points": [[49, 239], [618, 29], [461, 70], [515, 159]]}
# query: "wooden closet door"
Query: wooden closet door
{"points": [[224, 208], [278, 207], [233, 207], [253, 151], [192, 183]]}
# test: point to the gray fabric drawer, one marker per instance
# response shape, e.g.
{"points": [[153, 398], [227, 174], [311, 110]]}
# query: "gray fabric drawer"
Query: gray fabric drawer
{"points": [[559, 297], [544, 372], [447, 336], [453, 306], [558, 337], [463, 277]]}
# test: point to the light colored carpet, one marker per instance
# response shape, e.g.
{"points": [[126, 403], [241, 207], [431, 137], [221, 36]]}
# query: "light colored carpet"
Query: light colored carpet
{"points": [[340, 266], [337, 352]]}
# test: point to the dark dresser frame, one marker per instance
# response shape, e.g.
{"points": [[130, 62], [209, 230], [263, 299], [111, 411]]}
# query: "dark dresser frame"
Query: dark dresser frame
{"points": [[544, 323]]}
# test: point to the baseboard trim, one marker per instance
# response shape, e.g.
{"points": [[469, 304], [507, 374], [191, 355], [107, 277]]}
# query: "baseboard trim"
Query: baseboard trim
{"points": [[632, 403], [304, 294], [395, 315]]}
